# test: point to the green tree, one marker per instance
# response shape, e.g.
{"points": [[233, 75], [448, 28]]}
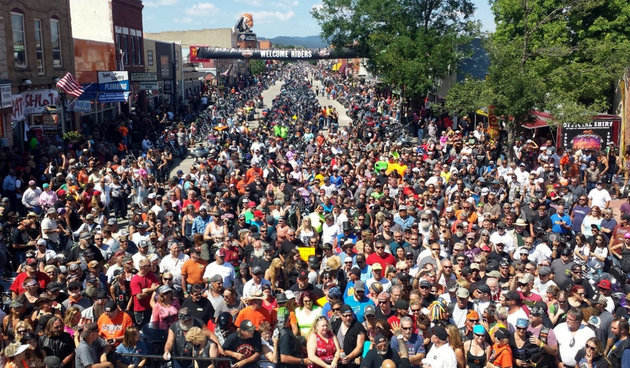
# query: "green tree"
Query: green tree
{"points": [[409, 43], [561, 56], [256, 67]]}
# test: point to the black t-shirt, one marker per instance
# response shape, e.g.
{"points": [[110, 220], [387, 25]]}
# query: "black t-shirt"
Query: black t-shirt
{"points": [[247, 347], [201, 309], [288, 345], [287, 246], [315, 291]]}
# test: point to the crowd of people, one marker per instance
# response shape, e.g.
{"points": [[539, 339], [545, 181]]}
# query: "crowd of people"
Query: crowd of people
{"points": [[312, 246]]}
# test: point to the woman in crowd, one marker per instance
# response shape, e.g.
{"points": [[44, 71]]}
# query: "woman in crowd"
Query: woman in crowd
{"points": [[165, 309], [132, 344], [276, 275], [322, 345], [477, 350], [12, 321], [307, 312], [578, 297], [34, 355], [522, 348], [71, 321], [592, 355], [455, 341], [501, 354]]}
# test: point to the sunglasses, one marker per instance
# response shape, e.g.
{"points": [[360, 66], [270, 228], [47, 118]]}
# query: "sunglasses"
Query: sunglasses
{"points": [[407, 328], [183, 317], [336, 309], [167, 279]]}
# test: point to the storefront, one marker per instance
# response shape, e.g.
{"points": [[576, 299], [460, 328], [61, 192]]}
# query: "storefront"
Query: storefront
{"points": [[35, 113]]}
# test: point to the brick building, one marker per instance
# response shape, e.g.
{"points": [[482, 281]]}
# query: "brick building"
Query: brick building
{"points": [[39, 50]]}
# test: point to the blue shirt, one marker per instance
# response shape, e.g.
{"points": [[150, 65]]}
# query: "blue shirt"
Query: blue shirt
{"points": [[556, 221], [625, 359], [415, 345], [140, 348], [405, 223], [199, 224], [358, 306]]}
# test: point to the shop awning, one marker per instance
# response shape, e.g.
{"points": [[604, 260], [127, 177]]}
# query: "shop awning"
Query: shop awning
{"points": [[539, 120]]}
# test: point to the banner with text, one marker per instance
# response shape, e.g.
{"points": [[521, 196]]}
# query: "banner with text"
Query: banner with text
{"points": [[32, 102], [204, 53]]}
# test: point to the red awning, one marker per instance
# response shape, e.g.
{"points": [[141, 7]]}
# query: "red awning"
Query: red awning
{"points": [[539, 120]]}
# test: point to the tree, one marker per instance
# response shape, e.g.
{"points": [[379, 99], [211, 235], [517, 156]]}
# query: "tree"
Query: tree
{"points": [[561, 56], [256, 67], [409, 43]]}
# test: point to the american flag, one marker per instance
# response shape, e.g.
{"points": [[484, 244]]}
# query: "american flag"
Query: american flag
{"points": [[70, 85]]}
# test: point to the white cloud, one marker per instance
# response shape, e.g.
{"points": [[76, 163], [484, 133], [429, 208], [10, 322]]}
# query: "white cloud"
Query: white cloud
{"points": [[250, 2], [183, 20], [286, 4], [202, 9], [157, 3], [265, 16]]}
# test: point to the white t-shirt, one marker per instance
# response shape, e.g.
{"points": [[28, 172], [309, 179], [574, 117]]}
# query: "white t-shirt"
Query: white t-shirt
{"points": [[226, 271], [599, 197], [174, 266], [442, 357], [330, 233], [512, 318], [569, 344]]}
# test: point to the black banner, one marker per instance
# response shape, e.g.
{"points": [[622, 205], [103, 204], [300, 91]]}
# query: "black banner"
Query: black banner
{"points": [[275, 54]]}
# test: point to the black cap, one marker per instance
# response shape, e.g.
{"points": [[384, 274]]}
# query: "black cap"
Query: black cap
{"points": [[53, 286], [440, 332], [110, 306], [502, 333], [346, 309]]}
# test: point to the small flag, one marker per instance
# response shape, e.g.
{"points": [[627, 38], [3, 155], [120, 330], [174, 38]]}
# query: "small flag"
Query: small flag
{"points": [[70, 85], [225, 73]]}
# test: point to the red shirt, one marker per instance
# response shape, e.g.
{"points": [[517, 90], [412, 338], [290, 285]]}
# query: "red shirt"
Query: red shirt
{"points": [[388, 260], [42, 280], [196, 203], [137, 284]]}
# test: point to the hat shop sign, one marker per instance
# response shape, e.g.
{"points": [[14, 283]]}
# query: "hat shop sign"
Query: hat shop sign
{"points": [[32, 102]]}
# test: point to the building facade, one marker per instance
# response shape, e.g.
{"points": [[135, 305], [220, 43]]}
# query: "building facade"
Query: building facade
{"points": [[39, 49]]}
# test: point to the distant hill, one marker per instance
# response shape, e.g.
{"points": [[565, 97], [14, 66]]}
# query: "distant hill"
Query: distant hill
{"points": [[311, 42]]}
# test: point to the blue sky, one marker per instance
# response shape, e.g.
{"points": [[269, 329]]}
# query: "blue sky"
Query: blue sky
{"points": [[271, 17]]}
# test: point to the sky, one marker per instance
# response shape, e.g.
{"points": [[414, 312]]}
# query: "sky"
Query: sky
{"points": [[272, 18]]}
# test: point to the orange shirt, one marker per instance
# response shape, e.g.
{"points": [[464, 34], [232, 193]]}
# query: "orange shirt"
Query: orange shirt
{"points": [[257, 316], [112, 329], [193, 271], [501, 356]]}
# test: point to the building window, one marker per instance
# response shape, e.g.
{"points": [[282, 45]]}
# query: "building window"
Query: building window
{"points": [[149, 57], [56, 43], [39, 47], [132, 50], [139, 48], [19, 40], [123, 47]]}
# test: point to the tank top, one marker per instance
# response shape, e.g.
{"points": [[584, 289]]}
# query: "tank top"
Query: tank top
{"points": [[325, 350], [305, 321], [474, 361]]}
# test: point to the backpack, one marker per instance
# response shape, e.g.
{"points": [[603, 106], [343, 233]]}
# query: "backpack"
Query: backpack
{"points": [[616, 352]]}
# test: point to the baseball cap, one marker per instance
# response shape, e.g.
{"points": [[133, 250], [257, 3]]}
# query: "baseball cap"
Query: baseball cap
{"points": [[502, 333], [604, 284], [110, 306], [52, 361], [359, 286], [377, 266], [303, 274], [472, 315], [247, 325], [440, 332], [522, 323], [463, 293], [544, 271], [369, 311]]}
